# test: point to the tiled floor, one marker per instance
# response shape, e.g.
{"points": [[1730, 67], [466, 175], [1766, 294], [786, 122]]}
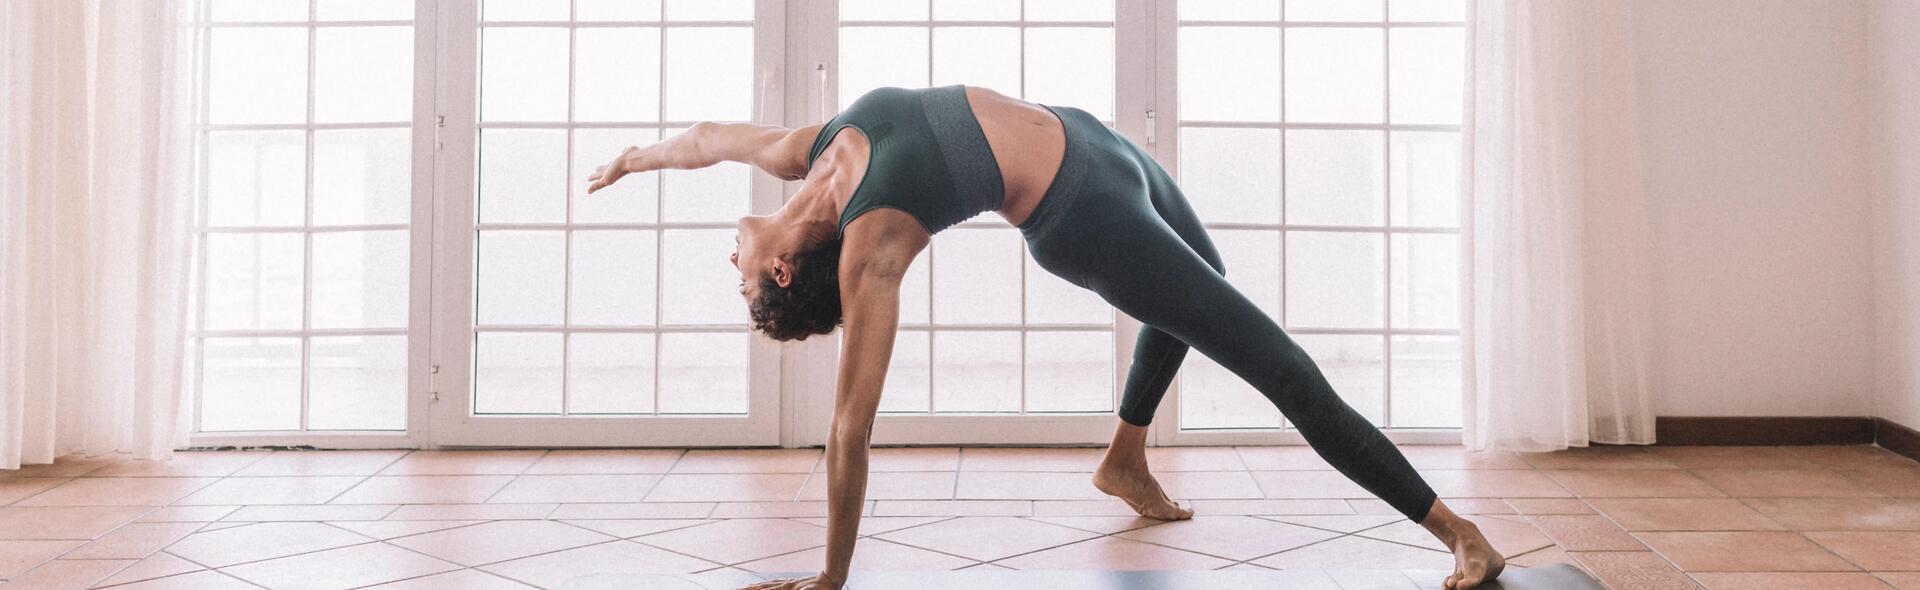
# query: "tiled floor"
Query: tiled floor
{"points": [[1668, 517]]}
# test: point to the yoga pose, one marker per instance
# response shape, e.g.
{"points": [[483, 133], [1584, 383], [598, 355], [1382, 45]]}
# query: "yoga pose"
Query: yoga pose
{"points": [[900, 165]]}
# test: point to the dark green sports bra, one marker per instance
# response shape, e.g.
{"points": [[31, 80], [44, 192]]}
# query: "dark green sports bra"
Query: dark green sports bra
{"points": [[928, 156]]}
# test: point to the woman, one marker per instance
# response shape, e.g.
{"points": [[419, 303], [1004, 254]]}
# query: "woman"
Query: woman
{"points": [[900, 165]]}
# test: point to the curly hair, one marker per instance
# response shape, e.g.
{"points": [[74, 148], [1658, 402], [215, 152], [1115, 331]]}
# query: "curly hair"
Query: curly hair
{"points": [[809, 305]]}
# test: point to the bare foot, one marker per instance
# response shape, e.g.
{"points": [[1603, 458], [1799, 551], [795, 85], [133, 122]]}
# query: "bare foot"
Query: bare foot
{"points": [[1474, 559], [1134, 485]]}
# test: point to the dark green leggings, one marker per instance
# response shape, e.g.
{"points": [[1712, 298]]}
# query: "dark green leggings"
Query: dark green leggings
{"points": [[1114, 222]]}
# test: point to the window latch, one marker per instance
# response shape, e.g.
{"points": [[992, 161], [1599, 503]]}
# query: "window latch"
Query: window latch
{"points": [[1152, 124]]}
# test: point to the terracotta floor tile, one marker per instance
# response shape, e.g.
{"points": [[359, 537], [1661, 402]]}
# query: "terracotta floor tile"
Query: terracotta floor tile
{"points": [[1743, 552], [480, 511], [741, 540], [1511, 538], [1896, 482], [1542, 557], [16, 557], [1029, 459], [1105, 525], [1586, 533], [1493, 483], [987, 538], [1304, 485], [528, 489], [389, 529], [68, 573], [1841, 514], [1209, 485], [14, 489], [1317, 506], [1635, 570], [552, 570], [1375, 506], [1732, 457], [270, 490], [455, 580], [1163, 459], [188, 513], [1237, 538], [1426, 457], [869, 554], [1851, 457], [184, 464], [1683, 514], [626, 528], [430, 489], [1790, 581], [909, 459], [63, 467], [64, 522], [1284, 458], [1901, 580], [315, 463], [874, 525], [158, 565], [908, 485], [1783, 483], [1597, 457], [1343, 524], [266, 540], [500, 541], [118, 491], [1477, 506], [346, 567], [641, 510], [748, 461], [1549, 506], [805, 509], [1107, 507], [1633, 483], [1113, 553], [1010, 485], [201, 580], [605, 461], [463, 463], [135, 541], [727, 487], [1873, 551], [312, 513], [1359, 553]]}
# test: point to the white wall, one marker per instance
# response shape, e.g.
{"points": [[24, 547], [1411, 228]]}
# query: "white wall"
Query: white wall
{"points": [[1894, 94], [1754, 118]]}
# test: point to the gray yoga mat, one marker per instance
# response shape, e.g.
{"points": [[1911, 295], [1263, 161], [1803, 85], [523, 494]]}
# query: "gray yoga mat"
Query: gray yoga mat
{"points": [[1557, 576]]}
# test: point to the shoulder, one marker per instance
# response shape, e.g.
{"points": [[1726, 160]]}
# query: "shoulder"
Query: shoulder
{"points": [[881, 243]]}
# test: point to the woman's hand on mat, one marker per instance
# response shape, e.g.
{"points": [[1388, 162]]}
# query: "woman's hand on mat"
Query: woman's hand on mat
{"points": [[819, 582], [627, 163]]}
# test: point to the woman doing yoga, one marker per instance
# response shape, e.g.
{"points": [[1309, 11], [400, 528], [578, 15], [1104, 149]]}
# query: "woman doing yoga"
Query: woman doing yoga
{"points": [[900, 165]]}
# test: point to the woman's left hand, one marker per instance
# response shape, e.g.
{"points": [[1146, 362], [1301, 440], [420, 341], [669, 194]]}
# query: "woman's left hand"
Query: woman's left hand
{"points": [[813, 583]]}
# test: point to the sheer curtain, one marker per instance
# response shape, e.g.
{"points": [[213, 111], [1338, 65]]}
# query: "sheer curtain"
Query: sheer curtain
{"points": [[1557, 267], [93, 227]]}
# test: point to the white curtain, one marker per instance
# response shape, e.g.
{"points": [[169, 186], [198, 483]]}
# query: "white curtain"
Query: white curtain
{"points": [[93, 227], [1557, 275]]}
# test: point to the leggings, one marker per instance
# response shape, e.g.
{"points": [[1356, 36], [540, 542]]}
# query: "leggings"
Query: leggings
{"points": [[1114, 222]]}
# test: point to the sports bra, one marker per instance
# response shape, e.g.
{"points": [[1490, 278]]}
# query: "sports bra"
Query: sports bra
{"points": [[927, 156]]}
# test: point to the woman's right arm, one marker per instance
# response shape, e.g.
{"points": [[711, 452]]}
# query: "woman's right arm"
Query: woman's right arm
{"points": [[779, 151]]}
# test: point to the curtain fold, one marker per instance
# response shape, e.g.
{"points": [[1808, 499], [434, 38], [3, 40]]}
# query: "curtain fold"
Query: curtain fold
{"points": [[94, 227], [1557, 276]]}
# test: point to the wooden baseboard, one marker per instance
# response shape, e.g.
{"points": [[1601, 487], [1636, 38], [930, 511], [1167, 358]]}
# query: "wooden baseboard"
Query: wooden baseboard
{"points": [[1763, 431], [1897, 437]]}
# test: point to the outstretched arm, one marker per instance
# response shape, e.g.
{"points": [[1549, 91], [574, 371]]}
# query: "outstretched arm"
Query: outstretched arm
{"points": [[780, 151]]}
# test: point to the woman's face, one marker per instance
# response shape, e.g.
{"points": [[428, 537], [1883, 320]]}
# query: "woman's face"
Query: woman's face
{"points": [[752, 254]]}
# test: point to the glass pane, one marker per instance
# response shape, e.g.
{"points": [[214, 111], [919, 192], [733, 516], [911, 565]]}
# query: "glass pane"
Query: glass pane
{"points": [[358, 383], [976, 276], [859, 10], [360, 279], [363, 74], [1053, 300], [1070, 372], [1335, 75], [1213, 397], [1426, 382], [1427, 10], [362, 176], [523, 175], [709, 74], [697, 284], [703, 373], [1070, 10], [613, 274], [1426, 178], [872, 57], [259, 10], [1355, 366], [619, 74], [1229, 74], [522, 276], [257, 75], [1072, 67], [914, 304], [978, 56], [1336, 177], [1231, 175], [517, 373], [610, 374], [1007, 10], [740, 10], [256, 178], [907, 374], [1334, 280], [619, 10], [551, 10], [250, 384], [523, 73], [1253, 265], [1429, 75], [1426, 281], [1333, 10], [718, 193], [634, 199], [976, 371], [364, 10], [1229, 10], [254, 281]]}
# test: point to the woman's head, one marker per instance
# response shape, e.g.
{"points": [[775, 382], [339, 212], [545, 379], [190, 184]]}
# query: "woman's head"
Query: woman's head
{"points": [[791, 281]]}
